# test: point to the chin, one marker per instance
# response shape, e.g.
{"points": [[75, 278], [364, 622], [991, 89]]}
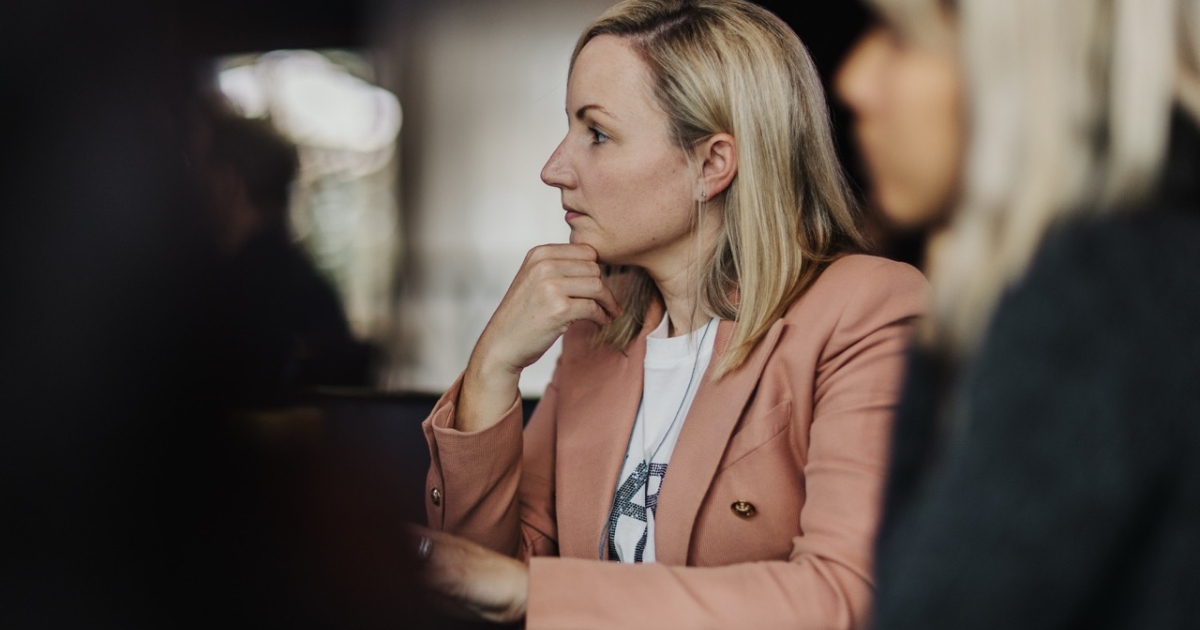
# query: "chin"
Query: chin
{"points": [[578, 239], [903, 212]]}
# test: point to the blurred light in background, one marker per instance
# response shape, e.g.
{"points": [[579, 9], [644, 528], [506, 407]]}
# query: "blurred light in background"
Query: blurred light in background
{"points": [[484, 88], [343, 204], [423, 249]]}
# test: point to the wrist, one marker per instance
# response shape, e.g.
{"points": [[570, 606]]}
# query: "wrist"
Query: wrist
{"points": [[487, 364], [489, 389]]}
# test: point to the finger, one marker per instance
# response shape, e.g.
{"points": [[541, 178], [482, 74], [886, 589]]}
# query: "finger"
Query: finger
{"points": [[591, 288], [554, 268], [453, 607], [565, 251], [574, 268], [588, 309], [576, 287], [415, 536], [608, 301]]}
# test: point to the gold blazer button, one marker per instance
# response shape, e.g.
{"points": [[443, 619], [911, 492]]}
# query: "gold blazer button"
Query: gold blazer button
{"points": [[435, 495], [744, 509]]}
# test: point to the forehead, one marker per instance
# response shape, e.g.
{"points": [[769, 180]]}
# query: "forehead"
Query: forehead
{"points": [[925, 21], [610, 74]]}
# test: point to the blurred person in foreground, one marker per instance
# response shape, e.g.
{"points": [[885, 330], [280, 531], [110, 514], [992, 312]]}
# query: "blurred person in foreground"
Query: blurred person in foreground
{"points": [[1044, 471], [286, 331], [711, 449]]}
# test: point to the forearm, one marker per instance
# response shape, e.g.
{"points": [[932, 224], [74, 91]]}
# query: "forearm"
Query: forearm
{"points": [[489, 389], [556, 285], [473, 480], [495, 486]]}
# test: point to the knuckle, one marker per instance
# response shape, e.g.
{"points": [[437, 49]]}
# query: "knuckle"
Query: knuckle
{"points": [[560, 308], [543, 269], [538, 253]]}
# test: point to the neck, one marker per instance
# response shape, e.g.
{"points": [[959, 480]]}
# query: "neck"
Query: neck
{"points": [[678, 290], [935, 249], [675, 274]]}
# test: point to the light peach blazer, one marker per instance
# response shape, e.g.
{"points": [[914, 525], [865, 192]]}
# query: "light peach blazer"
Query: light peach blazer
{"points": [[800, 432]]}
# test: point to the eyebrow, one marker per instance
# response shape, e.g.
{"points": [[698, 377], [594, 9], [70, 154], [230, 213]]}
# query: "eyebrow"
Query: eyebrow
{"points": [[583, 110]]}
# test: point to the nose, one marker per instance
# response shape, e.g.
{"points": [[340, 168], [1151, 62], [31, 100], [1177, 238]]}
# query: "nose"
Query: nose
{"points": [[857, 80], [557, 172]]}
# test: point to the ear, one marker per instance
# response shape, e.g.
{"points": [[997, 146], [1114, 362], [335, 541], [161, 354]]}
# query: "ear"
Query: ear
{"points": [[718, 159]]}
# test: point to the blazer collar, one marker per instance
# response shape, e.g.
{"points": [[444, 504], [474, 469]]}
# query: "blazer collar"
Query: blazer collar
{"points": [[706, 431], [596, 421]]}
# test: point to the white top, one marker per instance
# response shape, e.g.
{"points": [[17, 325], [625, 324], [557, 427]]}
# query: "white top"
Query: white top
{"points": [[674, 368]]}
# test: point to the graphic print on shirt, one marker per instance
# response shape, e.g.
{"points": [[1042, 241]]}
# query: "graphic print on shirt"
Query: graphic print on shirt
{"points": [[671, 375], [634, 487]]}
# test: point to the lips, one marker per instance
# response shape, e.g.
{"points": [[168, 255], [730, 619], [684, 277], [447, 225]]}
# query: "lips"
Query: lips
{"points": [[572, 213]]}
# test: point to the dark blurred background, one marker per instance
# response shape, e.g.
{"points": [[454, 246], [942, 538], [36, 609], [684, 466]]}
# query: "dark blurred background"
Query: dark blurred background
{"points": [[184, 442]]}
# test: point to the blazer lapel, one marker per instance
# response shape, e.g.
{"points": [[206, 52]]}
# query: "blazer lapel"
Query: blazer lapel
{"points": [[706, 430], [595, 421]]}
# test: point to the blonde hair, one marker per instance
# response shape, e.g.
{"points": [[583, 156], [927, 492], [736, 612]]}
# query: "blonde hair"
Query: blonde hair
{"points": [[1070, 107], [731, 66]]}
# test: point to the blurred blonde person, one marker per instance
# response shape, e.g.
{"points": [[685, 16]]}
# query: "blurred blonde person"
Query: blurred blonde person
{"points": [[1044, 471], [711, 449]]}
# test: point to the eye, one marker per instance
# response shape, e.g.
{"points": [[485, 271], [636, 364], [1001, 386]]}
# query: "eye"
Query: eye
{"points": [[895, 37], [598, 137]]}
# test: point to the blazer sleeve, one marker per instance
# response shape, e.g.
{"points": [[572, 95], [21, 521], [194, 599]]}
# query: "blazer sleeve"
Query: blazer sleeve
{"points": [[826, 582], [494, 487]]}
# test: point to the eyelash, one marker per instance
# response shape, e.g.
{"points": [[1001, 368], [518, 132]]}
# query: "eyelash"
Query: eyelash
{"points": [[597, 135]]}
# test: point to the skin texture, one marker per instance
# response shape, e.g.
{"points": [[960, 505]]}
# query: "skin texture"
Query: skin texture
{"points": [[630, 194], [471, 581], [630, 191], [618, 166], [908, 109]]}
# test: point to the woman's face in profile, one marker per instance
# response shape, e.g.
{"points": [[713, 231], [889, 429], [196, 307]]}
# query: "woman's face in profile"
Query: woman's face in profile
{"points": [[908, 121], [627, 188]]}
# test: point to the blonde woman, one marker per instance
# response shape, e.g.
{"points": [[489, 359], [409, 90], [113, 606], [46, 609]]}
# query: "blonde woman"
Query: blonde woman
{"points": [[710, 451], [1045, 471]]}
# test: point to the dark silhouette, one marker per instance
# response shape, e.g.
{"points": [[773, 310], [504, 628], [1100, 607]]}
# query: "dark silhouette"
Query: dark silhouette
{"points": [[285, 331], [132, 497]]}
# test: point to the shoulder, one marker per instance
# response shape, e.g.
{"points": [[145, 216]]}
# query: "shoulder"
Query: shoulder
{"points": [[1131, 273], [1095, 347], [857, 300], [1122, 292], [1128, 252], [865, 268], [859, 289]]}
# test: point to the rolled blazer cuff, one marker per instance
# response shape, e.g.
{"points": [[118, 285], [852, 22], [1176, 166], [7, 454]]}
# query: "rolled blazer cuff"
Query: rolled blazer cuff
{"points": [[473, 476]]}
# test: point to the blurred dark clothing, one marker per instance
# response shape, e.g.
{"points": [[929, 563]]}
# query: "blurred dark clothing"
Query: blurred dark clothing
{"points": [[131, 497], [1068, 495], [287, 331]]}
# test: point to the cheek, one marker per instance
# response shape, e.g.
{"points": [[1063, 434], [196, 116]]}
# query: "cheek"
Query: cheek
{"points": [[924, 138], [649, 190], [640, 203]]}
